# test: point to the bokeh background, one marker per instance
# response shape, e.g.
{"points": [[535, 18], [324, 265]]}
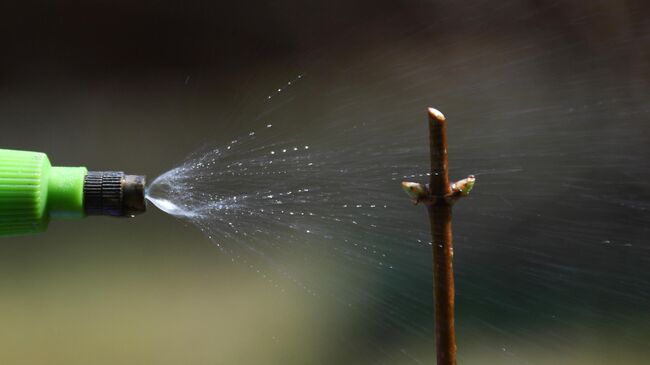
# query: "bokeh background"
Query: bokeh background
{"points": [[552, 250]]}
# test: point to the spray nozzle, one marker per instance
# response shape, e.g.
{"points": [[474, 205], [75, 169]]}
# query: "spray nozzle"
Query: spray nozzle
{"points": [[114, 193], [32, 191]]}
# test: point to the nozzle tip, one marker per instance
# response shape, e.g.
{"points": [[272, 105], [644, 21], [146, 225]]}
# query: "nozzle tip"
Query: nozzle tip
{"points": [[133, 195]]}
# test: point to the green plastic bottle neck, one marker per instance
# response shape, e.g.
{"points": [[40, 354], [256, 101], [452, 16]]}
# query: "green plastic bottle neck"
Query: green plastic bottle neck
{"points": [[65, 192]]}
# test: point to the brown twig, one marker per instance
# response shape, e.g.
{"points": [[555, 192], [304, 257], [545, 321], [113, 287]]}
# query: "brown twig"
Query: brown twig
{"points": [[439, 196], [439, 185]]}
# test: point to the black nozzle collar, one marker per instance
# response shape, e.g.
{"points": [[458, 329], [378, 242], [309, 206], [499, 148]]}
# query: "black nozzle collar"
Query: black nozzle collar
{"points": [[114, 193]]}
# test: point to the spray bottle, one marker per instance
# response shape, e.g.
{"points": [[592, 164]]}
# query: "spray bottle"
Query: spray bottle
{"points": [[32, 191]]}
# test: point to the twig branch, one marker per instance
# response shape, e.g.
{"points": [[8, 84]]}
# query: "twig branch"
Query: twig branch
{"points": [[439, 196]]}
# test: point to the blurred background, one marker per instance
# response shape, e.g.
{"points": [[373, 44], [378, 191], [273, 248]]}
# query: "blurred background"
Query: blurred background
{"points": [[549, 103]]}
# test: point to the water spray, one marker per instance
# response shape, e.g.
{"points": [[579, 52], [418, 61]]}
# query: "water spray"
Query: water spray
{"points": [[439, 196], [32, 191]]}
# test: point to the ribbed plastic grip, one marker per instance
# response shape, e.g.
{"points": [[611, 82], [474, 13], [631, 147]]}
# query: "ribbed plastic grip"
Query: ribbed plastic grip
{"points": [[103, 193], [23, 192]]}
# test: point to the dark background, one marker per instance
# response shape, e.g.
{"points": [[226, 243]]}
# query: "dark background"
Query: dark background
{"points": [[556, 253]]}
